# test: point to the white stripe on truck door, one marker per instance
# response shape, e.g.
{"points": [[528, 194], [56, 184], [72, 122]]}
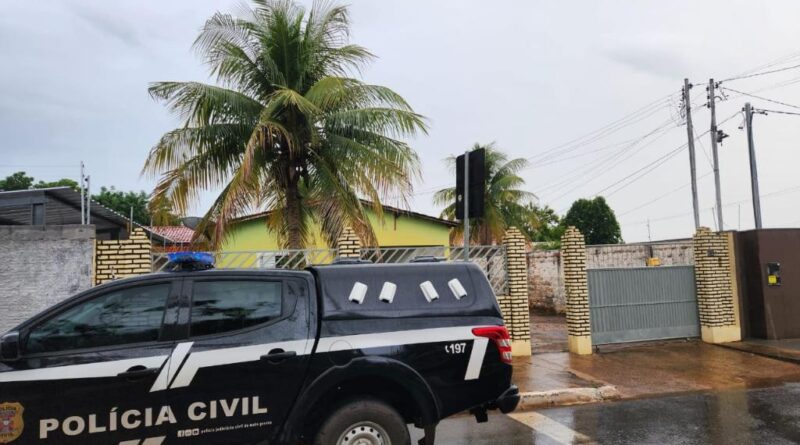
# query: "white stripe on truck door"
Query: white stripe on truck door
{"points": [[193, 362]]}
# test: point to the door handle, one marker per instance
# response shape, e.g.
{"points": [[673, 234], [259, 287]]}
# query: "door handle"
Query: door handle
{"points": [[138, 372], [278, 355]]}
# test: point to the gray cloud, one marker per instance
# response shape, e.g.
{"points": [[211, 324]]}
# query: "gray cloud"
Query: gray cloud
{"points": [[109, 23], [663, 62]]}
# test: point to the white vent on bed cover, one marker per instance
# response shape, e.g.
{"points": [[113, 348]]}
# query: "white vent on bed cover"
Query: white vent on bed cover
{"points": [[387, 292], [457, 289], [358, 292], [429, 291]]}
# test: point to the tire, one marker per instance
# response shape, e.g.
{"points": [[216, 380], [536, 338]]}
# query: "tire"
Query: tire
{"points": [[368, 419]]}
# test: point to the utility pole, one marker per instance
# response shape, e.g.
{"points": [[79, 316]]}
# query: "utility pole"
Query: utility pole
{"points": [[748, 119], [712, 105], [687, 102], [88, 200], [466, 205], [83, 198], [714, 217]]}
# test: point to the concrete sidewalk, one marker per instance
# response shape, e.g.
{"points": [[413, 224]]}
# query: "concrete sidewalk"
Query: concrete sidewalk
{"points": [[643, 370], [787, 349], [681, 366]]}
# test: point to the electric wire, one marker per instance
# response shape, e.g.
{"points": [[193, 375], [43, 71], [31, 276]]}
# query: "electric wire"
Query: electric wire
{"points": [[660, 197], [658, 132], [763, 73], [780, 112], [780, 60], [781, 192], [593, 136], [602, 164], [742, 93], [643, 171]]}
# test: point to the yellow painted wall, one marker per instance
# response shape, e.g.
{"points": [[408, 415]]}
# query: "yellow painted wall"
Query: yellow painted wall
{"points": [[409, 231]]}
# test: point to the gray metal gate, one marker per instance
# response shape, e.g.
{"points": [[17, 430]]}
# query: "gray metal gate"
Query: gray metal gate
{"points": [[637, 304]]}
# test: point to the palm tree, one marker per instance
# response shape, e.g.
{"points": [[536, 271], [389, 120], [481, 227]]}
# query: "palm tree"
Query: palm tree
{"points": [[285, 129], [504, 201]]}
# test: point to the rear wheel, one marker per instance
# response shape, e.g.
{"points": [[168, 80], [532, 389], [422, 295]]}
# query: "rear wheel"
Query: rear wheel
{"points": [[363, 422]]}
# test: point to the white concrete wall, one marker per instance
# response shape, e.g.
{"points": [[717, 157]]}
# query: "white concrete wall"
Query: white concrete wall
{"points": [[40, 266]]}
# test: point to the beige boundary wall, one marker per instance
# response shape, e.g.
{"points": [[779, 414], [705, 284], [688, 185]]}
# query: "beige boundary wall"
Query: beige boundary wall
{"points": [[348, 245], [576, 287], [116, 259], [515, 304], [715, 277], [715, 280]]}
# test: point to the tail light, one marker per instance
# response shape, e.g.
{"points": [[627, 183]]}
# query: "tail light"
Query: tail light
{"points": [[499, 335]]}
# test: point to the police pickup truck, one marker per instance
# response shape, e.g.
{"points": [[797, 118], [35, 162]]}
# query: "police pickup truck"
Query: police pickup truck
{"points": [[342, 354]]}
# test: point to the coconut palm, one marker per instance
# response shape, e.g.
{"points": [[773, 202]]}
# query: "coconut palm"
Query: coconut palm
{"points": [[285, 129], [504, 201]]}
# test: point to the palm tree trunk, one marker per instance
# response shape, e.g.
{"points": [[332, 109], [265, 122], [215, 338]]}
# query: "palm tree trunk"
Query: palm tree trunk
{"points": [[486, 234], [293, 213]]}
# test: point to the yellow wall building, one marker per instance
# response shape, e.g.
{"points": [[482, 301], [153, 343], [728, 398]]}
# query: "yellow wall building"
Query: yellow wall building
{"points": [[399, 228]]}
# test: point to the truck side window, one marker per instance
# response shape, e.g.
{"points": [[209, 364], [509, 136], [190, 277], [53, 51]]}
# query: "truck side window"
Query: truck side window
{"points": [[223, 306], [132, 315]]}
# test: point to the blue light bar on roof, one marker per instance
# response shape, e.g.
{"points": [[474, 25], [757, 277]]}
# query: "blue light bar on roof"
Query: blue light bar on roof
{"points": [[191, 260]]}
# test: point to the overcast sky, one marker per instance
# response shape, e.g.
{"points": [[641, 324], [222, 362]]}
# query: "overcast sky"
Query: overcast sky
{"points": [[529, 75]]}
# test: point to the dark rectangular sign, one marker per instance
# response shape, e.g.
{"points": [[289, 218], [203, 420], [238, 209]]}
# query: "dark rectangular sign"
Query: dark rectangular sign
{"points": [[477, 184]]}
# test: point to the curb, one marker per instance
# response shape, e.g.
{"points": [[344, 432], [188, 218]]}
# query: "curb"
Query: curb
{"points": [[564, 397], [774, 353]]}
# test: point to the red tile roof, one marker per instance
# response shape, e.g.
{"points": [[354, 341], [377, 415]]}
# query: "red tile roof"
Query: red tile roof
{"points": [[173, 234]]}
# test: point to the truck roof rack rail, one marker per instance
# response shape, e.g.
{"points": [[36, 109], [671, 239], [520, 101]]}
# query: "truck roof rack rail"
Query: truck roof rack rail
{"points": [[428, 259], [346, 260]]}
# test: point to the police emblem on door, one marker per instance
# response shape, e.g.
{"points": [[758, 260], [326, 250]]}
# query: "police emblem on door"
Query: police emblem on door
{"points": [[11, 423]]}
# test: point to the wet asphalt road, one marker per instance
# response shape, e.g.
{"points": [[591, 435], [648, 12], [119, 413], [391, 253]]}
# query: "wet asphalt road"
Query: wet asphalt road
{"points": [[754, 416]]}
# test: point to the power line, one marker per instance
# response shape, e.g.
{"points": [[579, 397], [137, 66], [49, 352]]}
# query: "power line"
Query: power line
{"points": [[784, 191], [703, 147], [780, 112], [656, 163], [659, 198], [780, 60], [580, 155], [609, 161], [604, 131], [763, 73], [762, 98]]}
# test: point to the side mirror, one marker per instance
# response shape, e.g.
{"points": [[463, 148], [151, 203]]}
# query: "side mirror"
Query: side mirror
{"points": [[9, 347]]}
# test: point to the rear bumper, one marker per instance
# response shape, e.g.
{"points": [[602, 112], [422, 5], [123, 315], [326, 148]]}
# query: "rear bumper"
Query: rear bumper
{"points": [[507, 401]]}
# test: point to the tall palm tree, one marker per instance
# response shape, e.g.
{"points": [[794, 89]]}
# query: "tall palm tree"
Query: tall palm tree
{"points": [[285, 129], [504, 201]]}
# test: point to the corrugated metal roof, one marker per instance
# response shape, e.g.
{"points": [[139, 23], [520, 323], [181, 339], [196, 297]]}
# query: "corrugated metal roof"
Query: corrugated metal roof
{"points": [[63, 206]]}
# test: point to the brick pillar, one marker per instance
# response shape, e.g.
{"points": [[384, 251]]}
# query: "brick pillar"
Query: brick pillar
{"points": [[515, 305], [116, 259], [576, 287], [348, 244], [715, 281]]}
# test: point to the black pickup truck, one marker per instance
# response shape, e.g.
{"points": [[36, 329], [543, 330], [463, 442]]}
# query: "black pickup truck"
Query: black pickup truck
{"points": [[340, 354]]}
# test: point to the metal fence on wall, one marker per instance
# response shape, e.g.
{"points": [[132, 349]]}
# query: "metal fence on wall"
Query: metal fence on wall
{"points": [[492, 259], [262, 259]]}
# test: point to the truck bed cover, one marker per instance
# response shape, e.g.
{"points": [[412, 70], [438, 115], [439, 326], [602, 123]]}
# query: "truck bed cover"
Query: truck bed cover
{"points": [[336, 283]]}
